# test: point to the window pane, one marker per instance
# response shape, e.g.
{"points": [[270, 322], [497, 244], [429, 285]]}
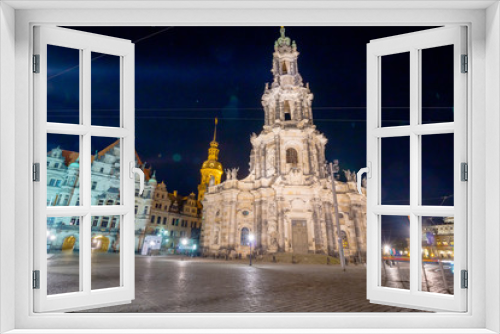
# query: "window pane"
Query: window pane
{"points": [[63, 256], [105, 244], [63, 170], [395, 89], [105, 91], [437, 84], [438, 254], [395, 171], [63, 85], [437, 169], [105, 171], [395, 248]]}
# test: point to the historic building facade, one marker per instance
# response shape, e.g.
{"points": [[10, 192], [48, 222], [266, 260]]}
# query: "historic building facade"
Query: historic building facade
{"points": [[286, 201], [174, 217], [63, 187], [211, 170]]}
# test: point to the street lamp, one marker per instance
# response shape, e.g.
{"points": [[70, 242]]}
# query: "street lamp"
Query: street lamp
{"points": [[250, 238]]}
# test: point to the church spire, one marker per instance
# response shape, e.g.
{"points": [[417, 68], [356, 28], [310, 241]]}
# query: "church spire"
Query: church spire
{"points": [[215, 129], [211, 167], [287, 100]]}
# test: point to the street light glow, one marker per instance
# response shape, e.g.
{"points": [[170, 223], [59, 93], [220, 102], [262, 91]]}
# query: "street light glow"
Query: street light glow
{"points": [[184, 242], [386, 248], [52, 237], [250, 237], [194, 246]]}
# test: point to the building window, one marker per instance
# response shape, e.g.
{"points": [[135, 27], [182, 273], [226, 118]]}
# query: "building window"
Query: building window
{"points": [[105, 221], [94, 185], [146, 208], [100, 202], [58, 183], [101, 170], [173, 221], [95, 221], [56, 165], [158, 220], [109, 202], [52, 182], [152, 219], [244, 236], [164, 220], [136, 208], [291, 156]]}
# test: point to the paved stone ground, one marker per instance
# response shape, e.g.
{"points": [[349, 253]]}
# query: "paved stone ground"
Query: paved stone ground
{"points": [[171, 284]]}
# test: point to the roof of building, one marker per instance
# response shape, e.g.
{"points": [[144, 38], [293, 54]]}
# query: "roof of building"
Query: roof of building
{"points": [[71, 157]]}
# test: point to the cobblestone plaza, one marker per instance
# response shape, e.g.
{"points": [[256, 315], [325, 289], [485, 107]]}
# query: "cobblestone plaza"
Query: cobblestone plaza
{"points": [[166, 284]]}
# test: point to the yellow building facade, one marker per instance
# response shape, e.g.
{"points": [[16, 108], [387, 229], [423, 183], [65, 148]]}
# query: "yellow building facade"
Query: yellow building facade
{"points": [[211, 168]]}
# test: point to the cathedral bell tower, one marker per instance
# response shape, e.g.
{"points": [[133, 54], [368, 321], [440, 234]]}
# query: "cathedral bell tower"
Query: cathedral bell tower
{"points": [[289, 146], [211, 167]]}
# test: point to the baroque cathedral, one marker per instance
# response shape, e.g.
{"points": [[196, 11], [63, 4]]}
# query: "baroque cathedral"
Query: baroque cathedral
{"points": [[286, 201]]}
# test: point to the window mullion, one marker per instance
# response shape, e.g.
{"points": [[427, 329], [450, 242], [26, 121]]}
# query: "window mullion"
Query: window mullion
{"points": [[414, 167], [85, 158]]}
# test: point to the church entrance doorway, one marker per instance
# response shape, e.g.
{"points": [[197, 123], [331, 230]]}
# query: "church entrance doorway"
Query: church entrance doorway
{"points": [[299, 236]]}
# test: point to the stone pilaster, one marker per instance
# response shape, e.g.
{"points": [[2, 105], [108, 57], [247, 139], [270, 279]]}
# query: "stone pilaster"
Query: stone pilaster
{"points": [[263, 238], [330, 237]]}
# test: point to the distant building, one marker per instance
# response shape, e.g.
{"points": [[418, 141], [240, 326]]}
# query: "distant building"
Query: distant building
{"points": [[439, 240], [174, 217], [286, 201], [63, 189]]}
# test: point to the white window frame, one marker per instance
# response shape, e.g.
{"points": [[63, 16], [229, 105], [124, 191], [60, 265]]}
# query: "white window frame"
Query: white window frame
{"points": [[483, 20], [414, 44], [85, 43]]}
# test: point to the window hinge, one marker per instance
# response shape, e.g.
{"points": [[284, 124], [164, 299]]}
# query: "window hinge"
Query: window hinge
{"points": [[36, 172], [464, 168], [36, 279], [36, 63], [465, 64], [465, 279]]}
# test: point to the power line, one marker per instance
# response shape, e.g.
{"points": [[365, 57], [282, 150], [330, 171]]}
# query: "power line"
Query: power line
{"points": [[104, 55]]}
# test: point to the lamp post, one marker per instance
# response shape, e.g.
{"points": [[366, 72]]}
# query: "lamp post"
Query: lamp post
{"points": [[334, 168], [250, 239]]}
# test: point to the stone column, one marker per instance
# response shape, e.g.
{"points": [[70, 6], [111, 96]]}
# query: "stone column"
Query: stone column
{"points": [[277, 110], [263, 159], [277, 162], [233, 224], [305, 157], [263, 235], [258, 223], [281, 225], [322, 160], [330, 236], [256, 163], [318, 237]]}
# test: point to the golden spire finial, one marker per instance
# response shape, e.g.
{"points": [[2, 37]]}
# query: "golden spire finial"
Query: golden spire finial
{"points": [[215, 129]]}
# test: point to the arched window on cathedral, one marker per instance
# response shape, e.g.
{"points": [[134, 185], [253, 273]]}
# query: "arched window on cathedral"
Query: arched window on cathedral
{"points": [[345, 242], [291, 156], [244, 236]]}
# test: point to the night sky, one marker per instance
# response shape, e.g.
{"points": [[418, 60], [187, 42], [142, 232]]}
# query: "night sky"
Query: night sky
{"points": [[187, 76]]}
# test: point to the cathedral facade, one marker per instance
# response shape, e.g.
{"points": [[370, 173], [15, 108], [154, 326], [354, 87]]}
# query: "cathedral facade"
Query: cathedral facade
{"points": [[286, 201]]}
